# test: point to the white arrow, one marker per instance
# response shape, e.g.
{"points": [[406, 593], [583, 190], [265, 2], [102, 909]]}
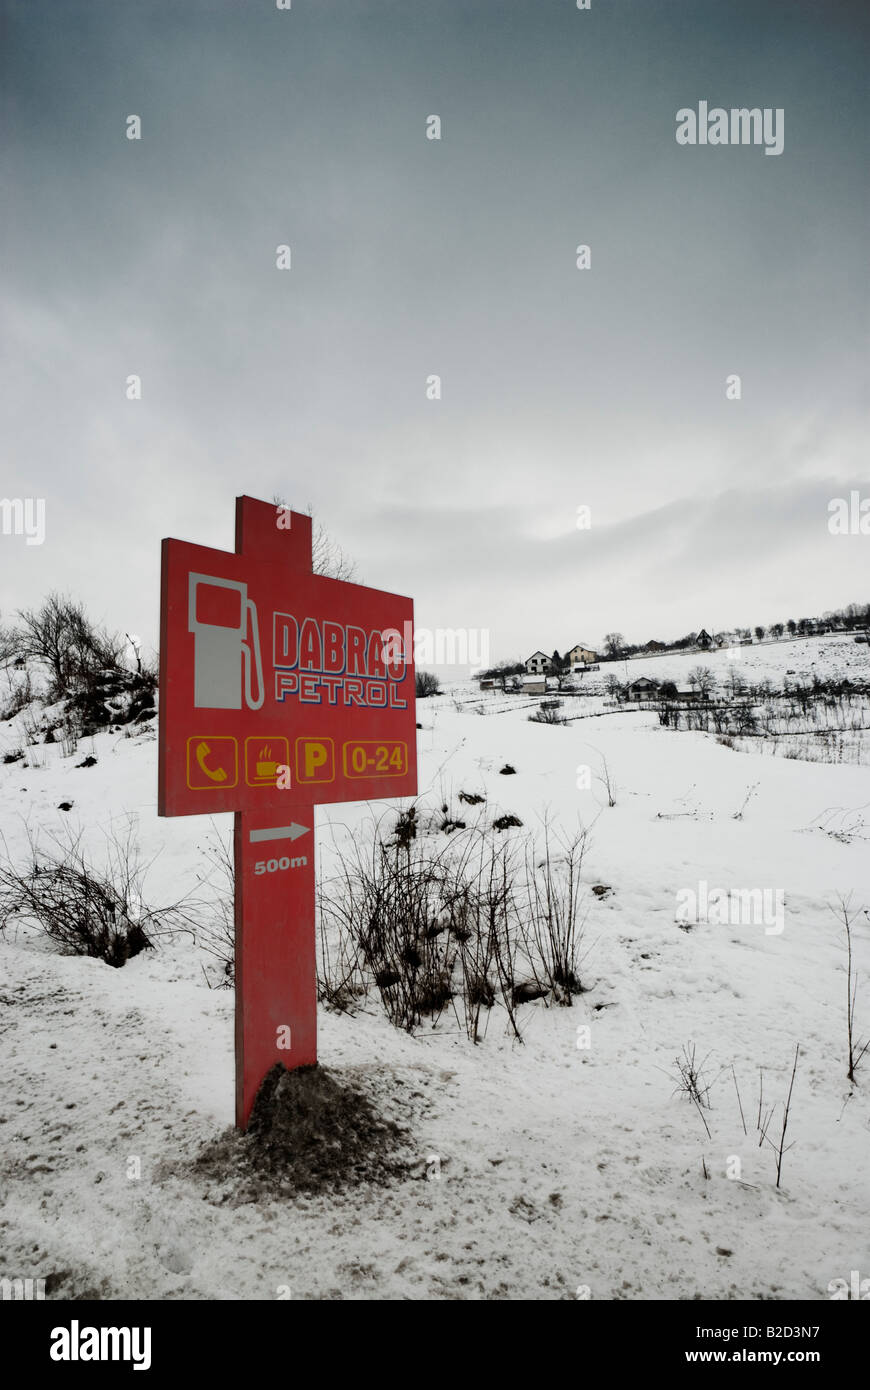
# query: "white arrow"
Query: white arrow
{"points": [[279, 832]]}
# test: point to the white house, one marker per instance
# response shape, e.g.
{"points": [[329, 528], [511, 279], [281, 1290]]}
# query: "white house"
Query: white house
{"points": [[641, 687], [537, 664]]}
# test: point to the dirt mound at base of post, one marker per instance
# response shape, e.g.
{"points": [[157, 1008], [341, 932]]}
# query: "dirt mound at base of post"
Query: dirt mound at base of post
{"points": [[309, 1132]]}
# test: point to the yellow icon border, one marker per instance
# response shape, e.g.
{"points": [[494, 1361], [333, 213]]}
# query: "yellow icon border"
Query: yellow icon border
{"points": [[313, 738], [375, 743], [213, 786], [271, 738]]}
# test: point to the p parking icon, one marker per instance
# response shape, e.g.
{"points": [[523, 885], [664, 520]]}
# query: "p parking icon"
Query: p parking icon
{"points": [[315, 760]]}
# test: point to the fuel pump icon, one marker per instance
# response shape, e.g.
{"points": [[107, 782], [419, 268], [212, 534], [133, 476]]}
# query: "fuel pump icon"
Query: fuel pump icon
{"points": [[223, 621]]}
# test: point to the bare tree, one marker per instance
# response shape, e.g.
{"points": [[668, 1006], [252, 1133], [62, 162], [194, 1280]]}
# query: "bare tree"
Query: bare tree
{"points": [[614, 643], [8, 641], [327, 556], [703, 679], [735, 684], [504, 670], [60, 635]]}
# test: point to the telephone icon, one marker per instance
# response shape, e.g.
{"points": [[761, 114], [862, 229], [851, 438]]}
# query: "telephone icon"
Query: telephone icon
{"points": [[202, 752], [212, 762]]}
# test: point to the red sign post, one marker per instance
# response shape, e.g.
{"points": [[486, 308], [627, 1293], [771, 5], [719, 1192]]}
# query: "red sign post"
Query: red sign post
{"points": [[279, 688]]}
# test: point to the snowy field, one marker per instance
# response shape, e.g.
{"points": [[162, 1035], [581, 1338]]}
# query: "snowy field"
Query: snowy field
{"points": [[822, 730], [548, 1168]]}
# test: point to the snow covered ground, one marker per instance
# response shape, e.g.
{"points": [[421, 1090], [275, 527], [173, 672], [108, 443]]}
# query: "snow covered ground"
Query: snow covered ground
{"points": [[547, 1169]]}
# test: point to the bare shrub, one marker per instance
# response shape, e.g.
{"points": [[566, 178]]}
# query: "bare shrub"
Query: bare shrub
{"points": [[391, 900], [31, 728], [87, 909], [548, 713], [780, 1148], [70, 732], [213, 918], [483, 920], [604, 779], [425, 683], [691, 1081], [551, 923], [19, 696], [855, 1049], [471, 923]]}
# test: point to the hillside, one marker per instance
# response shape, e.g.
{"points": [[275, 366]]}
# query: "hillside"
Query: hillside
{"points": [[546, 1168]]}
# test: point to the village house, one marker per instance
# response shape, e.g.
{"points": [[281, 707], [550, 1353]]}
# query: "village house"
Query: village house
{"points": [[537, 664], [534, 685], [704, 640], [642, 688], [654, 646], [581, 655]]}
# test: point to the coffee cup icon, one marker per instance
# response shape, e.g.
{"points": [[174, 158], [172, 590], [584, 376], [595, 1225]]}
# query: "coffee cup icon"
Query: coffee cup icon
{"points": [[264, 755], [265, 765]]}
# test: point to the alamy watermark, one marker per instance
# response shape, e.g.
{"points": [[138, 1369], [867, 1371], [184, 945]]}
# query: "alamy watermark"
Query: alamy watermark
{"points": [[23, 516], [441, 646], [735, 907], [22, 1290], [741, 125], [849, 517], [856, 1288], [77, 1343]]}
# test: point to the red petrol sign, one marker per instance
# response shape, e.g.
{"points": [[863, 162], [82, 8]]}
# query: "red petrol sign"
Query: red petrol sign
{"points": [[279, 689], [266, 666]]}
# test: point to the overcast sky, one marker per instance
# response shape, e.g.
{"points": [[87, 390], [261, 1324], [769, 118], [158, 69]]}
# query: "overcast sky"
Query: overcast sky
{"points": [[413, 257]]}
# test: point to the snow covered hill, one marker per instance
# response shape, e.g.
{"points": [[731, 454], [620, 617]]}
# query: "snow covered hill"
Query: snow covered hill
{"points": [[568, 1165], [830, 657]]}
